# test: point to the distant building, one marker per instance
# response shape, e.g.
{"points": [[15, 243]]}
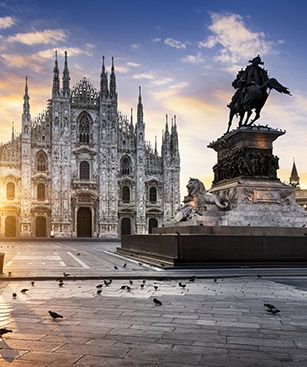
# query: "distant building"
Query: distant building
{"points": [[82, 169], [300, 194]]}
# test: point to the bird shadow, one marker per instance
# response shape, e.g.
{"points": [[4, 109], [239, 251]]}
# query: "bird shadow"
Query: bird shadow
{"points": [[7, 352]]}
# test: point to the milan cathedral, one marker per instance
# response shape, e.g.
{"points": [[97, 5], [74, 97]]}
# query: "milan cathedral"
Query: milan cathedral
{"points": [[83, 169]]}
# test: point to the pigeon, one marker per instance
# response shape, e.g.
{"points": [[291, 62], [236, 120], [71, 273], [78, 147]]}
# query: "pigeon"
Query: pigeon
{"points": [[115, 267], [140, 264], [258, 276], [274, 311], [78, 254], [66, 275], [192, 279], [128, 288], [61, 284], [4, 331], [182, 285], [55, 315], [131, 282], [14, 295], [124, 265], [99, 291], [110, 281], [32, 283], [144, 281], [157, 302], [99, 286], [269, 306], [123, 287], [9, 273], [24, 290], [215, 280], [142, 286], [156, 287]]}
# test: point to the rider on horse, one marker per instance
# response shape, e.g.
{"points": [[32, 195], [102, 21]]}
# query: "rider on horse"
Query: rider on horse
{"points": [[252, 75]]}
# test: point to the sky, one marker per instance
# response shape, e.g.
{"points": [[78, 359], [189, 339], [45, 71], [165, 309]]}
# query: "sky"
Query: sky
{"points": [[185, 55]]}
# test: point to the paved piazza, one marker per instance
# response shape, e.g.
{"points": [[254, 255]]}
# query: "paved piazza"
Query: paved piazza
{"points": [[209, 322]]}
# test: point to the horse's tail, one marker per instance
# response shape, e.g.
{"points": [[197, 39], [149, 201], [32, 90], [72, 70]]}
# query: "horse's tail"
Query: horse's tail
{"points": [[272, 83]]}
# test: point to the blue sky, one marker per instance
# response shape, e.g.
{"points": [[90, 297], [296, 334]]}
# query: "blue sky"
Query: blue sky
{"points": [[185, 55]]}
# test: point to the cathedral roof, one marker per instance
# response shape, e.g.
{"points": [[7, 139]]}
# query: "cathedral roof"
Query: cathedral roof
{"points": [[84, 95]]}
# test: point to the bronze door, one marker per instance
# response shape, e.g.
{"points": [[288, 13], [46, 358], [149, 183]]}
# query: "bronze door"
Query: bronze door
{"points": [[10, 226], [40, 227], [84, 222], [126, 226]]}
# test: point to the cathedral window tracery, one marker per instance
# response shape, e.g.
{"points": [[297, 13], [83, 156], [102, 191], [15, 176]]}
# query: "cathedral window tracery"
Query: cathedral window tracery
{"points": [[10, 191], [126, 166], [84, 128], [41, 162], [84, 170]]}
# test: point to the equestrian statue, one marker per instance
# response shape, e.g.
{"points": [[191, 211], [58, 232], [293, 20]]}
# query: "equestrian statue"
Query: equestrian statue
{"points": [[253, 87]]}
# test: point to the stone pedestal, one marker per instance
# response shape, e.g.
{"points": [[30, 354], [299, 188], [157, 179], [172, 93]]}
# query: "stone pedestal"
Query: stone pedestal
{"points": [[261, 225]]}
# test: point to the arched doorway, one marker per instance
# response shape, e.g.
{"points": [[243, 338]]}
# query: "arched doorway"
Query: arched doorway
{"points": [[10, 226], [153, 223], [126, 226], [40, 227], [84, 222]]}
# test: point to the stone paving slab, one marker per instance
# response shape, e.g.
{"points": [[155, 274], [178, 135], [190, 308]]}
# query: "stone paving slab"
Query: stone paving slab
{"points": [[215, 324]]}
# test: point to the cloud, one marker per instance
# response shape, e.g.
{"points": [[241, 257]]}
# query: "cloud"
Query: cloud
{"points": [[37, 60], [135, 46], [52, 36], [6, 22], [133, 64], [148, 76], [193, 59], [237, 42], [163, 81], [156, 40], [174, 43]]}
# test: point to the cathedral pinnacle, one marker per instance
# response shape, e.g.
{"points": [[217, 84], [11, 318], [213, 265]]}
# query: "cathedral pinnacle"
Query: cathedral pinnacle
{"points": [[56, 78], [113, 93], [140, 108], [26, 103], [103, 81], [13, 131], [66, 77], [294, 178]]}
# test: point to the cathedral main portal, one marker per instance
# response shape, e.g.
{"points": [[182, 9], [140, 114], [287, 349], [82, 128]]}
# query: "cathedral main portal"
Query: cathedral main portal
{"points": [[84, 222]]}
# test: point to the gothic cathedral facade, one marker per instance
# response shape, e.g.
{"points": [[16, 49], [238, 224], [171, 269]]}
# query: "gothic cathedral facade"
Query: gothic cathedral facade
{"points": [[82, 169]]}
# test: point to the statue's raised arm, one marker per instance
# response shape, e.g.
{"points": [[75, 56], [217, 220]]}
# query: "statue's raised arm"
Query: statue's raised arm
{"points": [[252, 86]]}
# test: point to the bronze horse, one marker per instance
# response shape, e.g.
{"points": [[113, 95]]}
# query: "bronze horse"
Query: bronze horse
{"points": [[253, 97]]}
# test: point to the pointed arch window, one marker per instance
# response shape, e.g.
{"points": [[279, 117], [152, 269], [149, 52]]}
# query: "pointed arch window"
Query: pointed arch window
{"points": [[41, 192], [10, 191], [41, 162], [126, 166], [84, 170], [84, 128]]}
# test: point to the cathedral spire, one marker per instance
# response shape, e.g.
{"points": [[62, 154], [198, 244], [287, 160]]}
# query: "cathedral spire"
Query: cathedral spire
{"points": [[13, 131], [113, 93], [156, 150], [294, 178], [103, 81], [166, 124], [56, 78], [140, 107], [26, 102], [66, 77]]}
